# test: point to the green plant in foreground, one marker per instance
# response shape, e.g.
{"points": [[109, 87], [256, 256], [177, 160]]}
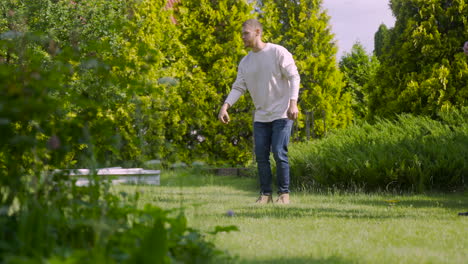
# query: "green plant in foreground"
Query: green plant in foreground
{"points": [[65, 72], [92, 225]]}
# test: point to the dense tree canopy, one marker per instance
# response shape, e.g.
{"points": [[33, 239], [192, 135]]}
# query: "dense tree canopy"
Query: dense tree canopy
{"points": [[303, 28], [111, 83], [358, 69], [381, 38], [211, 32], [423, 67]]}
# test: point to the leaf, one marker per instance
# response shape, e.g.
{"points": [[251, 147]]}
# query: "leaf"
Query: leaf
{"points": [[226, 229]]}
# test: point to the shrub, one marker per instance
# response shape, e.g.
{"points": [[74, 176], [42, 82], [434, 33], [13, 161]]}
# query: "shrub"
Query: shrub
{"points": [[93, 225], [66, 68], [412, 153]]}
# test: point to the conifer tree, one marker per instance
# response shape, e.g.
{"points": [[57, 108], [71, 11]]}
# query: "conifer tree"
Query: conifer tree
{"points": [[381, 38], [123, 82], [423, 67], [211, 31], [358, 69], [303, 28]]}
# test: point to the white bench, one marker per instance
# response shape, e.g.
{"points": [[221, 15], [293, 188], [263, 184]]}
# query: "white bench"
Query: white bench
{"points": [[120, 175]]}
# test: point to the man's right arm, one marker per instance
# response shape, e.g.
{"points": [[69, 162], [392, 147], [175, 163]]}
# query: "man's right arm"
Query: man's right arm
{"points": [[238, 89]]}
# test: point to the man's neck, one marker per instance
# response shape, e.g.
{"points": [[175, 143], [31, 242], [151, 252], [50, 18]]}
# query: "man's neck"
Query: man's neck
{"points": [[259, 45]]}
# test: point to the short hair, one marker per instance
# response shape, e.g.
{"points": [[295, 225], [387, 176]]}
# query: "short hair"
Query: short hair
{"points": [[253, 23]]}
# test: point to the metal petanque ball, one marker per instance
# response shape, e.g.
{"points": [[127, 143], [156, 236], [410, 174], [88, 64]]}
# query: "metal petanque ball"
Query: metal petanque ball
{"points": [[230, 213]]}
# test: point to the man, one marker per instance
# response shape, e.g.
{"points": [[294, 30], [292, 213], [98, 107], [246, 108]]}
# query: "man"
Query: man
{"points": [[270, 75]]}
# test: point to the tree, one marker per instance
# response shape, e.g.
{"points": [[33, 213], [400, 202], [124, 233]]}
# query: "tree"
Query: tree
{"points": [[211, 31], [358, 69], [423, 68], [303, 28], [381, 38], [40, 60], [76, 77]]}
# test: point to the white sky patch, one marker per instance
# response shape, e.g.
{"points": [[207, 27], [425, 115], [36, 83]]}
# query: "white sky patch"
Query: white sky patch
{"points": [[357, 20]]}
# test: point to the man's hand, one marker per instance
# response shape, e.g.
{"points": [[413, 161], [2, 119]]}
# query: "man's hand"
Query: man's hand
{"points": [[465, 48], [223, 115], [293, 112]]}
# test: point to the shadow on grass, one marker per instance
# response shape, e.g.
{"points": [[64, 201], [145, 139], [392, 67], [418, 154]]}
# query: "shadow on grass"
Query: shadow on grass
{"points": [[282, 212], [298, 260], [449, 201], [293, 212], [197, 178], [192, 178], [187, 198]]}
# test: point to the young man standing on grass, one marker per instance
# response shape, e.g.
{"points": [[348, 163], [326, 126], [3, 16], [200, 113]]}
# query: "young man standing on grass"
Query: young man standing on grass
{"points": [[270, 75]]}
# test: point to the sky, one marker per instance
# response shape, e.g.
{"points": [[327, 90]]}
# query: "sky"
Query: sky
{"points": [[357, 20]]}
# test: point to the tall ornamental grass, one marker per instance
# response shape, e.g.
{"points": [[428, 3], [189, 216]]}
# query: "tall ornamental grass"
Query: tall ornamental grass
{"points": [[409, 153]]}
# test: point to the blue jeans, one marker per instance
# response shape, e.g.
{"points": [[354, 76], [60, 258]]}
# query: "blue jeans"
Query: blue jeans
{"points": [[273, 137]]}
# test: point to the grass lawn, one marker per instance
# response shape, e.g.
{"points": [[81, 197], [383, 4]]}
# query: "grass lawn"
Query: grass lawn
{"points": [[317, 228]]}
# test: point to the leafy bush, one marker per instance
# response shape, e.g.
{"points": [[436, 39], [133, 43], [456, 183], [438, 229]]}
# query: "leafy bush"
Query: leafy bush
{"points": [[74, 75], [412, 153], [358, 69], [92, 225], [423, 69]]}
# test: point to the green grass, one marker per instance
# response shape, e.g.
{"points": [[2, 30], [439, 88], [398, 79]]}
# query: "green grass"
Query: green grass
{"points": [[317, 228]]}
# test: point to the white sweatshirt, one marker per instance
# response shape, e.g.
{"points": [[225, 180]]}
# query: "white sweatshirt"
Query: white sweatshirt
{"points": [[271, 77]]}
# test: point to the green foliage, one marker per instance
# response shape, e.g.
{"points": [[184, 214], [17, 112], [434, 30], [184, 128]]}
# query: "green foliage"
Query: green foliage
{"points": [[303, 28], [423, 67], [381, 38], [64, 90], [358, 69], [211, 31], [412, 153], [93, 225], [121, 80], [319, 226], [76, 77]]}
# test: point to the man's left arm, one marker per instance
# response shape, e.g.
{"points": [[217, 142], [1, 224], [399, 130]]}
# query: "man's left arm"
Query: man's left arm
{"points": [[293, 111], [289, 69]]}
